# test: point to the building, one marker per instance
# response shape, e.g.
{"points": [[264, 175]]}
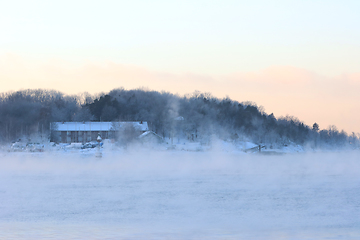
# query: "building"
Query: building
{"points": [[150, 137], [72, 132]]}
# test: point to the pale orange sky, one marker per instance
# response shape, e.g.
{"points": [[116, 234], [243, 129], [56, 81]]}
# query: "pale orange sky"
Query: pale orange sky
{"points": [[282, 90], [292, 57]]}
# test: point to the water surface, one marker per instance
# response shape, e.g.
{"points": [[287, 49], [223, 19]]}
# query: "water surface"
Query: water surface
{"points": [[180, 195]]}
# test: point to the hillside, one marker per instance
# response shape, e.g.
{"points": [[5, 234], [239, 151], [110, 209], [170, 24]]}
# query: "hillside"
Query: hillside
{"points": [[196, 117]]}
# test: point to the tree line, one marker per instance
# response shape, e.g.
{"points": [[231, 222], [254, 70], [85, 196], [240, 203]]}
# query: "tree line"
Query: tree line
{"points": [[197, 117]]}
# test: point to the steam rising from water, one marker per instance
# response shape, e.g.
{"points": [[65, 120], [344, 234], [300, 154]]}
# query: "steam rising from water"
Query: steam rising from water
{"points": [[161, 195]]}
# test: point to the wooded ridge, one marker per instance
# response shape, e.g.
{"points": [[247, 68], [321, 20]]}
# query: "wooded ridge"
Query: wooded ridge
{"points": [[197, 116]]}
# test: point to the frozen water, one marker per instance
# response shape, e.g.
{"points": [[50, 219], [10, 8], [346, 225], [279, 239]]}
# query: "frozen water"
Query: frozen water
{"points": [[180, 195]]}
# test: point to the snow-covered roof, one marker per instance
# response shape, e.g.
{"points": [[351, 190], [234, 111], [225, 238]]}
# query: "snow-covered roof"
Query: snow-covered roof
{"points": [[97, 126], [149, 133]]}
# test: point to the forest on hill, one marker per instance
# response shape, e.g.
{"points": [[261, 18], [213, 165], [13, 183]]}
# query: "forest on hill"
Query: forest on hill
{"points": [[197, 116]]}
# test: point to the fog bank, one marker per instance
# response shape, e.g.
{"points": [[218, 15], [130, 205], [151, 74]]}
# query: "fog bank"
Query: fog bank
{"points": [[162, 195]]}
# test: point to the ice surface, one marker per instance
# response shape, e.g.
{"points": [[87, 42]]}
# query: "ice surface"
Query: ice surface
{"points": [[179, 195]]}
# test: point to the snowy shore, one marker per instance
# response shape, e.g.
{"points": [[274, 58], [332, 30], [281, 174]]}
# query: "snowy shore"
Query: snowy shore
{"points": [[107, 145]]}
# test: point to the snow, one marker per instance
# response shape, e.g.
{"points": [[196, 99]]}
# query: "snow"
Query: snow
{"points": [[97, 126], [249, 145], [149, 133], [214, 194]]}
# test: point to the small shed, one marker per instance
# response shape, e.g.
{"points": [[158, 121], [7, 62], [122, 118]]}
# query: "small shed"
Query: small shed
{"points": [[150, 137]]}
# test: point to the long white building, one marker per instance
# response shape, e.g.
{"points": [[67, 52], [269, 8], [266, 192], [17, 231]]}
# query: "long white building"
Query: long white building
{"points": [[68, 132]]}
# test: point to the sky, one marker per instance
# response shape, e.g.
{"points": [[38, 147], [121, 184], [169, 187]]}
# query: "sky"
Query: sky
{"points": [[298, 58]]}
